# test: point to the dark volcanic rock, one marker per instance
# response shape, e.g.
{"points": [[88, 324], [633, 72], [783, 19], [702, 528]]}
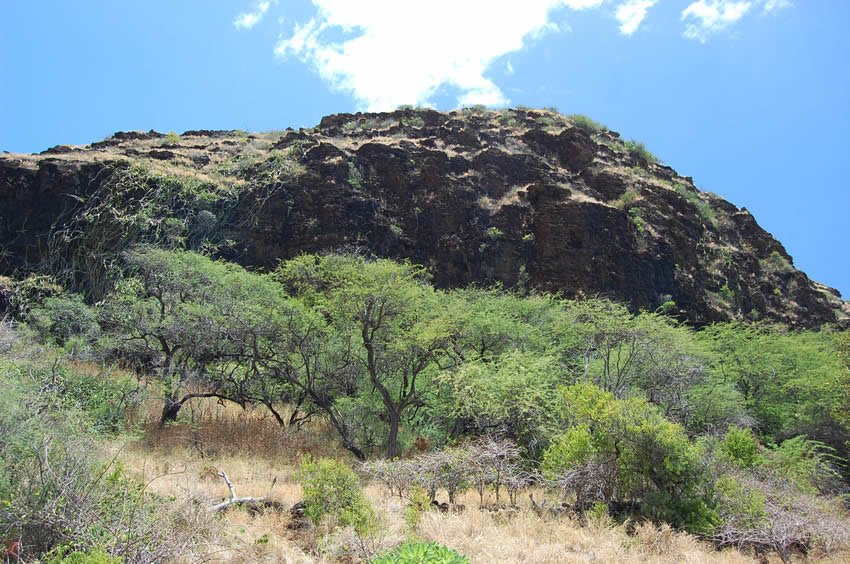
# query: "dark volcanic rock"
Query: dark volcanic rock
{"points": [[517, 197]]}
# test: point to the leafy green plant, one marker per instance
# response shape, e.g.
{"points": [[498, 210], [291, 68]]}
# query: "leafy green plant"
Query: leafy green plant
{"points": [[638, 151], [585, 123], [666, 308], [740, 446], [619, 450], [776, 263], [60, 318], [494, 233], [421, 553], [636, 215], [57, 494], [413, 121], [94, 556], [809, 465], [418, 504], [355, 177], [332, 489], [704, 209], [628, 197], [727, 293]]}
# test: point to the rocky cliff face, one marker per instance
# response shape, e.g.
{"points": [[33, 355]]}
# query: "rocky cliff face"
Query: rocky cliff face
{"points": [[517, 197]]}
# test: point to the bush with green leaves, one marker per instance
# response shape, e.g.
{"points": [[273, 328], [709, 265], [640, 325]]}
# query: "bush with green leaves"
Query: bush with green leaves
{"points": [[639, 152], [104, 398], [585, 123], [69, 556], [64, 317], [514, 394], [58, 493], [741, 447], [421, 553], [789, 382], [646, 460], [332, 489], [419, 503], [31, 292], [809, 465]]}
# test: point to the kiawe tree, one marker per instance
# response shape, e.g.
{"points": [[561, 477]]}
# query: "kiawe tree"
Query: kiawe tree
{"points": [[396, 322], [185, 318], [514, 395], [624, 353]]}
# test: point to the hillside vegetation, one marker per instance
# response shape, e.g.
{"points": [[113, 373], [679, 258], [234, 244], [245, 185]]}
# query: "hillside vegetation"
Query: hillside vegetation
{"points": [[359, 412]]}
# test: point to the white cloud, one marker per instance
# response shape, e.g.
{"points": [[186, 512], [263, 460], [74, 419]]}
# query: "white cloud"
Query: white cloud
{"points": [[631, 13], [403, 51], [386, 53], [774, 5], [247, 20], [707, 17]]}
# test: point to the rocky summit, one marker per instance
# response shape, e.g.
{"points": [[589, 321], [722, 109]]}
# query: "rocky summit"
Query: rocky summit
{"points": [[524, 198]]}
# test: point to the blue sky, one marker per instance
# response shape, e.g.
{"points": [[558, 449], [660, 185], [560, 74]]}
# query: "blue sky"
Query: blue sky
{"points": [[750, 97]]}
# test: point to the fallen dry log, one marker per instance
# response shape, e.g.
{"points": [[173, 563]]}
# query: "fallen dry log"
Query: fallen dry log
{"points": [[254, 505]]}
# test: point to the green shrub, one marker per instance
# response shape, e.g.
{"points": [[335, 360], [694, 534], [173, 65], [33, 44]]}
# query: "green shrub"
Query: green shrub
{"points": [[599, 511], [638, 151], [420, 502], [704, 209], [744, 506], [767, 513], [59, 318], [94, 556], [355, 177], [415, 121], [776, 263], [585, 123], [727, 293], [627, 198], [55, 492], [741, 447], [636, 215], [332, 489], [624, 450], [31, 292], [809, 465], [667, 308], [421, 553], [494, 233]]}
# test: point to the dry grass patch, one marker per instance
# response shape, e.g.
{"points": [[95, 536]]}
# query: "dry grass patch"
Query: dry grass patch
{"points": [[261, 459], [524, 537]]}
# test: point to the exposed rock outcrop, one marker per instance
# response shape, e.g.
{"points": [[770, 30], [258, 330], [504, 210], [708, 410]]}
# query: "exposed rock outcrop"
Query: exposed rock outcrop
{"points": [[517, 197]]}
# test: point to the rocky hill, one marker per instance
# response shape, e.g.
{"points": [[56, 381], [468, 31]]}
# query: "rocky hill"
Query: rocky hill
{"points": [[527, 198]]}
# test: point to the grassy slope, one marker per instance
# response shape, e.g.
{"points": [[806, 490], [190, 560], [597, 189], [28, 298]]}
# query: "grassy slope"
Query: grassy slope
{"points": [[249, 446]]}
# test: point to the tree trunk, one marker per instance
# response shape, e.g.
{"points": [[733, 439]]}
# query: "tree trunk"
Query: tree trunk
{"points": [[170, 408], [392, 439]]}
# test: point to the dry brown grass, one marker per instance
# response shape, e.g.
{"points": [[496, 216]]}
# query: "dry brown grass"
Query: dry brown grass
{"points": [[525, 537], [211, 429], [255, 453]]}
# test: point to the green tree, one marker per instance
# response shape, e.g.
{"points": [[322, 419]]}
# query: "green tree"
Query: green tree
{"points": [[792, 382], [513, 394], [396, 322], [623, 353], [184, 317]]}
